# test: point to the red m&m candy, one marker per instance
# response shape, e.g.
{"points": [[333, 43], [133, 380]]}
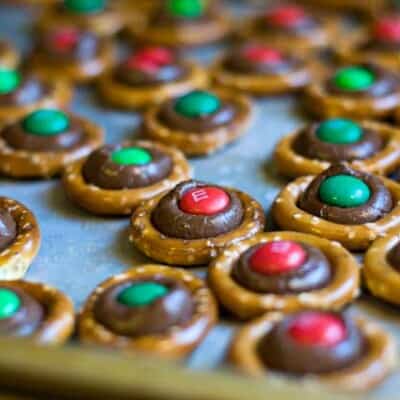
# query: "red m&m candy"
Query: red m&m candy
{"points": [[388, 29], [262, 54], [286, 16], [277, 257], [207, 200], [150, 59], [317, 329], [65, 39]]}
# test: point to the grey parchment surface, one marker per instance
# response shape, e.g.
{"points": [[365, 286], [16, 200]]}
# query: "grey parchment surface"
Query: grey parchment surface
{"points": [[79, 250]]}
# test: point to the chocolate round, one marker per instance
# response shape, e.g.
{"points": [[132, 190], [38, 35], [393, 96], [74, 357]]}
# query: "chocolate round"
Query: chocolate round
{"points": [[292, 20], [8, 229], [393, 257], [310, 145], [27, 318], [19, 138], [314, 273], [373, 81], [281, 352], [174, 119], [69, 45], [385, 35], [379, 204], [146, 72], [174, 308], [171, 221], [100, 169], [28, 91], [260, 60]]}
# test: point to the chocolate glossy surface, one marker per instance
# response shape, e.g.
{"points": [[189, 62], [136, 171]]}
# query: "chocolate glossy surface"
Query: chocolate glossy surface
{"points": [[309, 145], [18, 138], [100, 170], [202, 124], [313, 274], [28, 317], [170, 220], [379, 204], [280, 352], [173, 309], [8, 229]]}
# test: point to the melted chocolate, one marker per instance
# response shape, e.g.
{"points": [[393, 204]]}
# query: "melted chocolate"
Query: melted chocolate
{"points": [[101, 171], [136, 77], [281, 353], [173, 309], [380, 46], [27, 319], [305, 26], [385, 83], [17, 138], [174, 120], [8, 229], [86, 47], [314, 274], [393, 257], [29, 91], [170, 220], [237, 61], [378, 205], [309, 145]]}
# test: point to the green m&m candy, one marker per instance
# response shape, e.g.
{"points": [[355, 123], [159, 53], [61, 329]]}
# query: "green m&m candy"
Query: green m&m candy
{"points": [[186, 8], [197, 104], [344, 191], [46, 122], [142, 294], [354, 78], [10, 303], [85, 6], [339, 131], [131, 156], [10, 79]]}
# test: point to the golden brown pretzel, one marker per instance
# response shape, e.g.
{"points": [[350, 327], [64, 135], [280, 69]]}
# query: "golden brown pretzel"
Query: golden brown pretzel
{"points": [[18, 256], [367, 372], [176, 342], [244, 303]]}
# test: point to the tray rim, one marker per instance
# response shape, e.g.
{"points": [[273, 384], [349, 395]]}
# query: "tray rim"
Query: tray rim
{"points": [[81, 372]]}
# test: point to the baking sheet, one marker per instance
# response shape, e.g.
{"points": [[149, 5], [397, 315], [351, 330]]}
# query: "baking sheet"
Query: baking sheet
{"points": [[79, 250]]}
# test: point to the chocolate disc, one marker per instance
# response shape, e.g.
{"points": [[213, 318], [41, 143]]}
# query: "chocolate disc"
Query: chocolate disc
{"points": [[289, 19], [20, 313], [343, 145], [17, 90], [170, 219], [203, 114], [69, 44], [378, 205], [151, 66], [108, 168], [260, 60], [146, 307], [393, 257], [8, 229], [366, 80], [312, 273], [44, 130], [312, 343]]}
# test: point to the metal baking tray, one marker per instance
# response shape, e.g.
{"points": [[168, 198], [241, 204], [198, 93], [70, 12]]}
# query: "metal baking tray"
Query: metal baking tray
{"points": [[80, 250]]}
